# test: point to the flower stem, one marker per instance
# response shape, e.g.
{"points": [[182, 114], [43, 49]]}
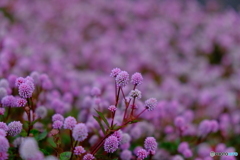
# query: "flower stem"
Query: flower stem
{"points": [[73, 149]]}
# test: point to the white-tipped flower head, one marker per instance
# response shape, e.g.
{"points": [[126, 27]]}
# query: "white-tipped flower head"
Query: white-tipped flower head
{"points": [[150, 104], [135, 94], [80, 132], [28, 148]]}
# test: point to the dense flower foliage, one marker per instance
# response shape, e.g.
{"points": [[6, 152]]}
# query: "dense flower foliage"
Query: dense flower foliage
{"points": [[128, 79]]}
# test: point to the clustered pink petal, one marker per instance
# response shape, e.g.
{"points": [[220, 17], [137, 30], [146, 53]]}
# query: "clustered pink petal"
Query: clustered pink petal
{"points": [[21, 102], [95, 91], [3, 155], [150, 144], [135, 94], [118, 134], [111, 144], [57, 116], [14, 128], [142, 154], [57, 124], [19, 81], [207, 126], [4, 126], [112, 108], [126, 155], [136, 78], [122, 79], [8, 101], [182, 146], [88, 157], [69, 123], [4, 144], [150, 104], [3, 133], [179, 122], [25, 90], [79, 150], [80, 132], [115, 72]]}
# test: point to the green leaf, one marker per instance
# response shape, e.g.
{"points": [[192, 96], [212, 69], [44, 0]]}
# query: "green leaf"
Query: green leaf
{"points": [[99, 122], [34, 132], [103, 118], [65, 155], [45, 152], [23, 133], [33, 122], [134, 121], [51, 142], [41, 136]]}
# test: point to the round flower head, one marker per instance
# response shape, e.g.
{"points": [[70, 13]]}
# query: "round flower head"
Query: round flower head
{"points": [[28, 148], [35, 76], [2, 111], [57, 116], [88, 157], [38, 156], [19, 81], [3, 155], [182, 146], [214, 126], [21, 102], [187, 153], [135, 94], [95, 91], [126, 155], [41, 112], [8, 101], [57, 124], [25, 90], [4, 83], [2, 133], [69, 123], [122, 79], [79, 150], [93, 140], [18, 141], [204, 128], [150, 144], [14, 128], [150, 104], [142, 154], [118, 134], [3, 92], [4, 144], [115, 72], [30, 83], [12, 79], [137, 149], [178, 157], [179, 122], [112, 108], [111, 144], [3, 126], [28, 78], [80, 132], [136, 78], [125, 138], [125, 146]]}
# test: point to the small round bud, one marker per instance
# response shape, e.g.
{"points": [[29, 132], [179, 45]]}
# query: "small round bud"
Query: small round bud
{"points": [[136, 78], [112, 108]]}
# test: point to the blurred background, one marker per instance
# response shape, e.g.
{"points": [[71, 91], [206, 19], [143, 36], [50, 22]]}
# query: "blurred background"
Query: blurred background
{"points": [[187, 50]]}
